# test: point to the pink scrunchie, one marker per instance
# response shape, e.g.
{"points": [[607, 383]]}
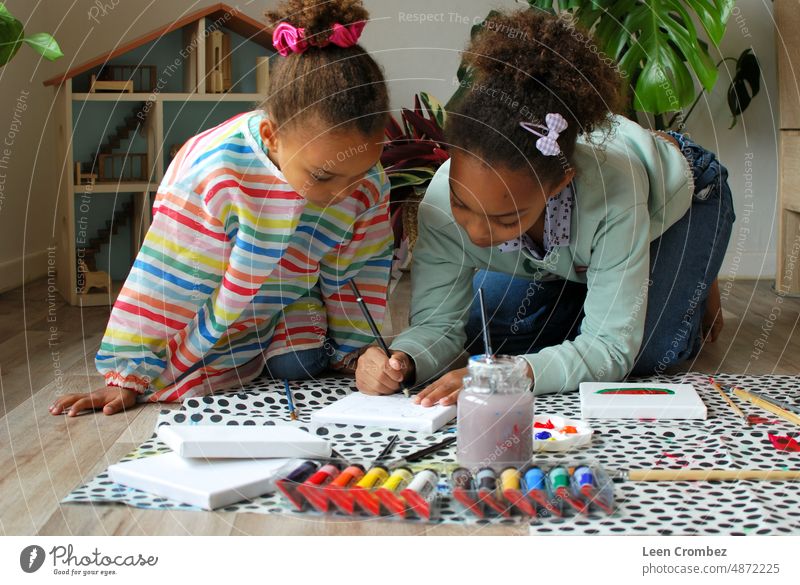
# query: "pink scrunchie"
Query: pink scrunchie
{"points": [[346, 36], [287, 38]]}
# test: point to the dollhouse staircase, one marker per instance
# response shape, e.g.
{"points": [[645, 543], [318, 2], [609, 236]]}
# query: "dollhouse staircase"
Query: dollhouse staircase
{"points": [[132, 124], [120, 218]]}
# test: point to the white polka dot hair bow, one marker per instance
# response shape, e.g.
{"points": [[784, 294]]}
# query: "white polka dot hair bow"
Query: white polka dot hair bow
{"points": [[547, 143]]}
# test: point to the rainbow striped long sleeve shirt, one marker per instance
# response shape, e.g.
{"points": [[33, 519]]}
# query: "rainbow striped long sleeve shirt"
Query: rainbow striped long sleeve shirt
{"points": [[237, 267]]}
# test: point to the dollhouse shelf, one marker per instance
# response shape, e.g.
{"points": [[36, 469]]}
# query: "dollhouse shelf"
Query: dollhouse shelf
{"points": [[117, 187], [168, 97], [171, 71]]}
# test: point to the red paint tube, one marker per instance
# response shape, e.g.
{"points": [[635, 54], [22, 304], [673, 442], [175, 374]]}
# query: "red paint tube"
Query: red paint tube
{"points": [[312, 490]]}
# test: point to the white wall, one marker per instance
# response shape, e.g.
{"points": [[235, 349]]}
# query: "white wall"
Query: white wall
{"points": [[417, 56], [27, 186], [749, 150]]}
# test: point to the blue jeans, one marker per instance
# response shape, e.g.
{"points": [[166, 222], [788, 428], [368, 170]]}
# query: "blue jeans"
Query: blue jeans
{"points": [[526, 316], [298, 365]]}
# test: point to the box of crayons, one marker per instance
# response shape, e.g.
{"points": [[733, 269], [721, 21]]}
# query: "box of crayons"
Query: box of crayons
{"points": [[533, 491], [352, 489]]}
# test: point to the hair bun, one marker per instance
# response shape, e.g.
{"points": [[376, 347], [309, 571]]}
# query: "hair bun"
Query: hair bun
{"points": [[532, 53], [317, 17]]}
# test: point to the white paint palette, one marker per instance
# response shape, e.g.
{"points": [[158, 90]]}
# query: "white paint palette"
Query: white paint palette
{"points": [[553, 434]]}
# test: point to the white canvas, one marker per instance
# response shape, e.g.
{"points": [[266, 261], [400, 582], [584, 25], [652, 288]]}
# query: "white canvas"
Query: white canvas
{"points": [[394, 412], [208, 484], [682, 403], [246, 442]]}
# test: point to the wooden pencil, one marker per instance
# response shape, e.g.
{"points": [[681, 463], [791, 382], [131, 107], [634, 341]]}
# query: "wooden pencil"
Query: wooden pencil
{"points": [[727, 399]]}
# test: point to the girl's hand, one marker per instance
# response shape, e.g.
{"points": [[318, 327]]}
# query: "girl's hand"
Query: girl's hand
{"points": [[111, 399], [443, 391], [378, 374]]}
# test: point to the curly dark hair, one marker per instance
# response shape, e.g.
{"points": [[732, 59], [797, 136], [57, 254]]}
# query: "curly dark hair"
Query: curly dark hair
{"points": [[344, 87], [526, 64]]}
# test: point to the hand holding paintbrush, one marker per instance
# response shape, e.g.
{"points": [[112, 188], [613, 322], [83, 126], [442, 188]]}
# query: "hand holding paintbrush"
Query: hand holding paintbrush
{"points": [[376, 333]]}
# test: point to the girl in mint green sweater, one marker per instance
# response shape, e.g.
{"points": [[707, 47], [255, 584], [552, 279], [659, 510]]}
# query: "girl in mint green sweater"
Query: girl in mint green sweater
{"points": [[597, 242]]}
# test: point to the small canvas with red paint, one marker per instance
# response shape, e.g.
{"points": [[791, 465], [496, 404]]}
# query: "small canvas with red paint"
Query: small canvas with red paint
{"points": [[640, 401]]}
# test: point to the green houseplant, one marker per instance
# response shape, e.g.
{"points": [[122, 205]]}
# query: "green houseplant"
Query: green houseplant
{"points": [[413, 151], [12, 37]]}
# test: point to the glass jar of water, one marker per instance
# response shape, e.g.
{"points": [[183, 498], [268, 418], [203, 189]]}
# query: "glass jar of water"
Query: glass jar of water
{"points": [[495, 413]]}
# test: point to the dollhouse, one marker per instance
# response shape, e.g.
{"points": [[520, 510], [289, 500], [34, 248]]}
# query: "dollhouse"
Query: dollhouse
{"points": [[120, 119]]}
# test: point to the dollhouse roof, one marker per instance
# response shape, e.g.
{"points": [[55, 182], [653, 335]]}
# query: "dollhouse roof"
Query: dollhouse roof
{"points": [[233, 19]]}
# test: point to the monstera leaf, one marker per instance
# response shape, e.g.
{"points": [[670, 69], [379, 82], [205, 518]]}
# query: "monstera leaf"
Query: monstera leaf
{"points": [[12, 37], [655, 43], [745, 85]]}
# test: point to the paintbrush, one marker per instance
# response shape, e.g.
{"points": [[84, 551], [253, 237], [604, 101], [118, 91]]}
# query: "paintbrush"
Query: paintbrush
{"points": [[424, 452], [773, 401], [487, 343], [290, 402], [387, 449], [727, 399], [767, 405], [374, 327], [704, 474]]}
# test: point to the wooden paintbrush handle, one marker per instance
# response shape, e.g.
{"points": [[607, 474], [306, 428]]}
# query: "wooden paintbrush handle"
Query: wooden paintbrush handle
{"points": [[776, 410], [710, 474]]}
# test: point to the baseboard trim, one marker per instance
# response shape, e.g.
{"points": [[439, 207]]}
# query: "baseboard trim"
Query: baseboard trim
{"points": [[749, 266], [11, 271]]}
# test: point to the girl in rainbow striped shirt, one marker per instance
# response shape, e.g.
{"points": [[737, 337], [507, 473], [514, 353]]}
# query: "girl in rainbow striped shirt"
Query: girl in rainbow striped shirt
{"points": [[258, 224]]}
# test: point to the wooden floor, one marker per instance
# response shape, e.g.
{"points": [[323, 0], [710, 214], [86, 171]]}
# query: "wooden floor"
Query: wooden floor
{"points": [[47, 350]]}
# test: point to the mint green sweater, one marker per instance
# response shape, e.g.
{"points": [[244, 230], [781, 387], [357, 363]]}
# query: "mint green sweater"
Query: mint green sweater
{"points": [[629, 190]]}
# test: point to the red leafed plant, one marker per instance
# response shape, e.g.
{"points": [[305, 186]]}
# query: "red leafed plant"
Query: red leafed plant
{"points": [[411, 155]]}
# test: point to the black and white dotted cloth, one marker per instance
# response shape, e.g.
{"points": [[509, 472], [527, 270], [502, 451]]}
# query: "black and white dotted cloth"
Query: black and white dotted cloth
{"points": [[667, 508]]}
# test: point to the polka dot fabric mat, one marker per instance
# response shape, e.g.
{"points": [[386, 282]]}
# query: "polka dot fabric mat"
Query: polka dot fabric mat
{"points": [[667, 508]]}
